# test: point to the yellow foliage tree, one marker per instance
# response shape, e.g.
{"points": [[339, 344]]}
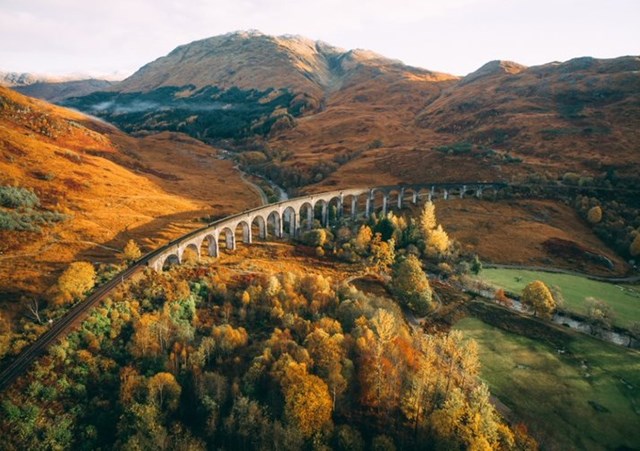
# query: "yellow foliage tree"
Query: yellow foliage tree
{"points": [[427, 219], [594, 215], [538, 297], [383, 253], [438, 241], [308, 404], [227, 338], [75, 281], [411, 285], [363, 238], [131, 252]]}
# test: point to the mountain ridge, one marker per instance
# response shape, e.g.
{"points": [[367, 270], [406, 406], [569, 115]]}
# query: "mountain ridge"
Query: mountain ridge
{"points": [[323, 115]]}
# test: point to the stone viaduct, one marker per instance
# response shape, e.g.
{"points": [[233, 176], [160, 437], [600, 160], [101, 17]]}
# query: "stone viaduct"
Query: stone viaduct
{"points": [[288, 219]]}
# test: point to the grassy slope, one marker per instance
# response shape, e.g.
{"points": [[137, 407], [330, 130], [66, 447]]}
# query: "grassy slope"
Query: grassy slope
{"points": [[551, 391], [625, 300], [523, 225], [114, 187]]}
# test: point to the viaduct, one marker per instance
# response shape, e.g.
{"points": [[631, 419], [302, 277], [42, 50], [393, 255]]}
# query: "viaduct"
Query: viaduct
{"points": [[290, 218]]}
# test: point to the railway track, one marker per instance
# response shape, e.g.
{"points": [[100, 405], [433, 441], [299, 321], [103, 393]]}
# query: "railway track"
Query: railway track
{"points": [[75, 316]]}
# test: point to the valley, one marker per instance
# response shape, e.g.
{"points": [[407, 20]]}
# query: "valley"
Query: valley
{"points": [[264, 267]]}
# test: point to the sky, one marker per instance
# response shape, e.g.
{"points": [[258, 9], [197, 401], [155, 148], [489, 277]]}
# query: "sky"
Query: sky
{"points": [[114, 38]]}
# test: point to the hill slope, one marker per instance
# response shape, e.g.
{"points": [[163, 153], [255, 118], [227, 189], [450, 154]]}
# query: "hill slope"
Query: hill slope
{"points": [[105, 183]]}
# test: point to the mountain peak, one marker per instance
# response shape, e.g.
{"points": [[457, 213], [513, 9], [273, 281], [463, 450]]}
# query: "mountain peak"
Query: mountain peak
{"points": [[496, 67], [285, 62]]}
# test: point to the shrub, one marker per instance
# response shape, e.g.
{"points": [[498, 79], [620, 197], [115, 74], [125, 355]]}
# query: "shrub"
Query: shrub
{"points": [[28, 221], [316, 237], [594, 215], [15, 197]]}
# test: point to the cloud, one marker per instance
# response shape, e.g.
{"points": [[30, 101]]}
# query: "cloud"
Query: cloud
{"points": [[59, 36]]}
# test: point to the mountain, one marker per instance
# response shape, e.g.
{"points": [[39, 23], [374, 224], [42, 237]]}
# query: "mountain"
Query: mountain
{"points": [[322, 116], [96, 188], [59, 91], [52, 88], [241, 85]]}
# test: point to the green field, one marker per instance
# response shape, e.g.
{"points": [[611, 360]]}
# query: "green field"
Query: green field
{"points": [[623, 299], [585, 398]]}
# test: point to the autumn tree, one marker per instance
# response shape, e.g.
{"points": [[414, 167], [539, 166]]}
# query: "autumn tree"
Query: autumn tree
{"points": [[164, 391], [501, 298], [307, 399], [315, 237], [74, 282], [328, 356], [363, 238], [427, 221], [382, 253], [5, 335], [594, 215], [227, 338], [538, 297], [438, 242], [599, 313], [411, 285], [131, 252]]}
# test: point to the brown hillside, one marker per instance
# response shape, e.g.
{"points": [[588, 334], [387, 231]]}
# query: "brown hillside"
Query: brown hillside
{"points": [[579, 116], [112, 187]]}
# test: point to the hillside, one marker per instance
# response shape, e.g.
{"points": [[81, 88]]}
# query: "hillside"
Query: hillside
{"points": [[501, 122], [108, 187]]}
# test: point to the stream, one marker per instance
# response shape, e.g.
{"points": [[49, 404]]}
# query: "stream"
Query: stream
{"points": [[580, 326]]}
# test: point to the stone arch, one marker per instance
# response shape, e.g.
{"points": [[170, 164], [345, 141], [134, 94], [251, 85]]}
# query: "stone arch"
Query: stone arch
{"points": [[350, 207], [489, 192], [321, 211], [274, 224], [190, 248], [379, 201], [226, 239], [334, 209], [170, 261], [306, 218], [209, 246], [395, 200], [409, 196], [290, 221], [242, 231], [470, 191], [259, 227], [455, 192]]}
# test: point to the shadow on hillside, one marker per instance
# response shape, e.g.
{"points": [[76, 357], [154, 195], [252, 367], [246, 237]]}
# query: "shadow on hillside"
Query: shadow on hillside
{"points": [[148, 236]]}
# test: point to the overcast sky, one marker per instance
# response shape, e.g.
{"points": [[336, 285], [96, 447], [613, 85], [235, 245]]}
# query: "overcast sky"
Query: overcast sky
{"points": [[456, 36]]}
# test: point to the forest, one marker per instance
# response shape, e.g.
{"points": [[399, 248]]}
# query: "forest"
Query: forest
{"points": [[239, 353]]}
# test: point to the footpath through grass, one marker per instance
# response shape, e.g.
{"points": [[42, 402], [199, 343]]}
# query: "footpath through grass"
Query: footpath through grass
{"points": [[623, 299], [586, 396]]}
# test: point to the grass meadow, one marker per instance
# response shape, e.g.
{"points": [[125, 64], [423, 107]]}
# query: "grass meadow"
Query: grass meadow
{"points": [[586, 396], [623, 299]]}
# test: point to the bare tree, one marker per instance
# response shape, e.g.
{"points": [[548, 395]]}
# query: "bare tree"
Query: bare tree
{"points": [[33, 305]]}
